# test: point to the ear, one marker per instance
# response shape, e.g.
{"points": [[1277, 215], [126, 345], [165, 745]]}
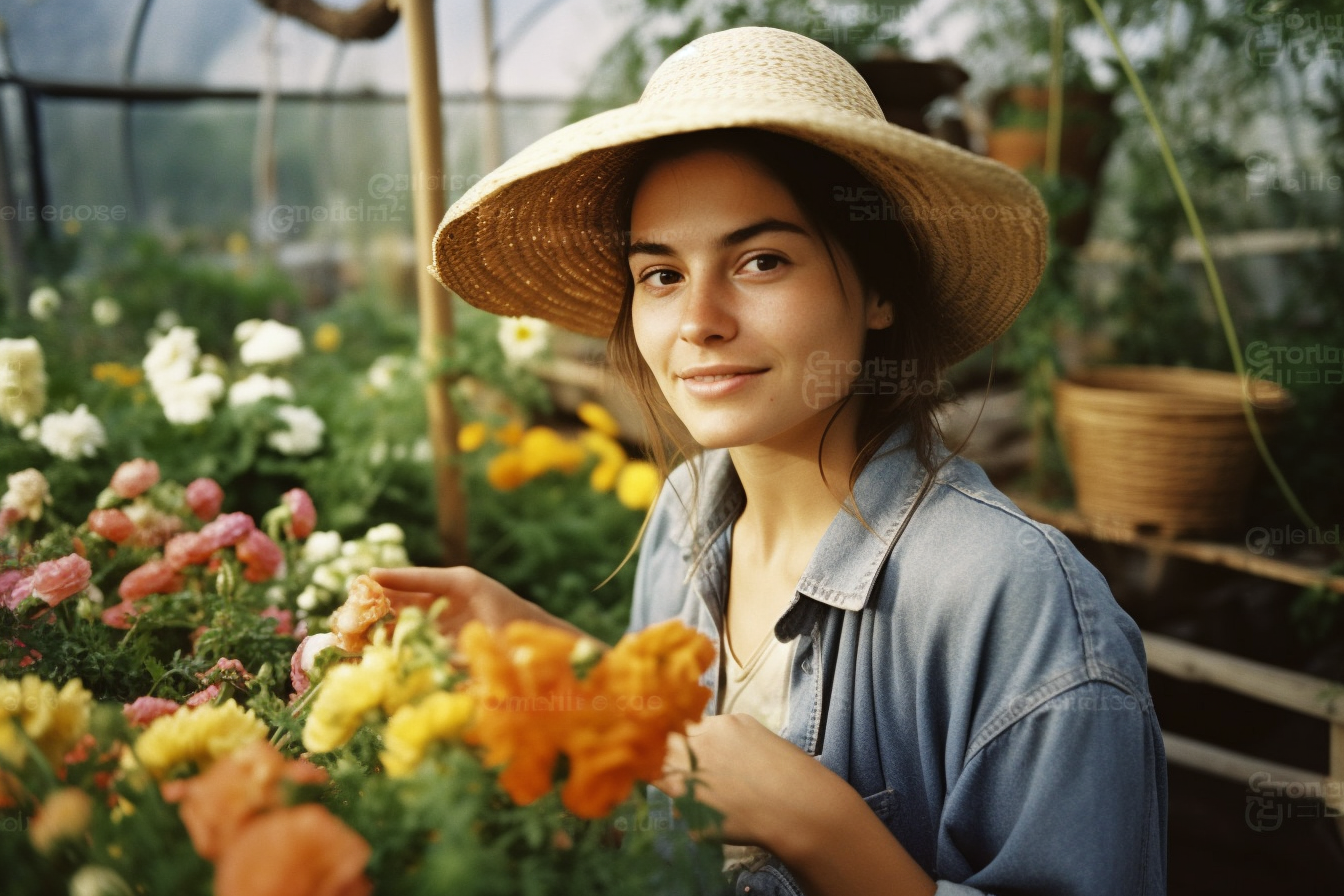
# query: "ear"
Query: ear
{"points": [[879, 311]]}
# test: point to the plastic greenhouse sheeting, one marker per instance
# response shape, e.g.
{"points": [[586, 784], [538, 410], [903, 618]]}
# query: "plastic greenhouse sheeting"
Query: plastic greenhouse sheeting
{"points": [[146, 112]]}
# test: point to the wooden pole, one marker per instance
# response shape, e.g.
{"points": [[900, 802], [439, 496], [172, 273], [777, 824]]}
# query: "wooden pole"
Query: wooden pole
{"points": [[436, 317]]}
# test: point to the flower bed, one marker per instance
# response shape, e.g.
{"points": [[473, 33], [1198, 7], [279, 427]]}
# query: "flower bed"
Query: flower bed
{"points": [[212, 728]]}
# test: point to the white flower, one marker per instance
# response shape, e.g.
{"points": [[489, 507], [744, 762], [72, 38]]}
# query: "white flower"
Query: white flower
{"points": [[330, 578], [302, 433], [244, 330], [106, 311], [522, 337], [378, 452], [28, 493], [44, 303], [72, 435], [421, 451], [307, 599], [270, 342], [167, 319], [171, 357], [384, 371], [387, 533], [256, 386], [30, 432], [191, 400], [213, 364], [312, 646], [322, 546], [23, 381]]}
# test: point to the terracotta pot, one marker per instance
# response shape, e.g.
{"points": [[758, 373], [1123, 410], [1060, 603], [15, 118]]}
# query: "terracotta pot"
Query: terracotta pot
{"points": [[1089, 128]]}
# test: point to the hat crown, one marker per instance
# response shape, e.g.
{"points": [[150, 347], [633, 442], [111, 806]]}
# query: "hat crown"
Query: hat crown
{"points": [[761, 64]]}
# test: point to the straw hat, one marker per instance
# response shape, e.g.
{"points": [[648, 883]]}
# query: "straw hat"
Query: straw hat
{"points": [[541, 234]]}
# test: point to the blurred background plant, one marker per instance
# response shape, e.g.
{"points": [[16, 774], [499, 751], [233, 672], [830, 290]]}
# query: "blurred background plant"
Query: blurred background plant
{"points": [[224, 374]]}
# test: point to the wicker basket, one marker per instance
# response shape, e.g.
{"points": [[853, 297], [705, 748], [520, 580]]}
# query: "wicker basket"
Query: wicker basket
{"points": [[1162, 450]]}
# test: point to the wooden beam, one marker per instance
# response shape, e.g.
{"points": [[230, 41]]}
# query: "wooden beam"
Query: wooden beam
{"points": [[369, 21], [1230, 556], [1316, 697]]}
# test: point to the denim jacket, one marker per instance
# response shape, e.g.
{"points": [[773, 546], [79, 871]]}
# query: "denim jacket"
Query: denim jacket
{"points": [[974, 680]]}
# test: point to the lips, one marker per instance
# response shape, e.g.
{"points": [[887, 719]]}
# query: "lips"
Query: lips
{"points": [[718, 380]]}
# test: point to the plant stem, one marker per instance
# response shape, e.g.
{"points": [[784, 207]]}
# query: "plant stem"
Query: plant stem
{"points": [[1210, 271], [1054, 122]]}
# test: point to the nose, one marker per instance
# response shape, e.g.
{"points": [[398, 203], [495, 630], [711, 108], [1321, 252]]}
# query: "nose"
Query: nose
{"points": [[705, 314]]}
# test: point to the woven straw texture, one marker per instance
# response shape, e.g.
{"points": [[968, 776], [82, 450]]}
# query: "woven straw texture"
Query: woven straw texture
{"points": [[541, 235], [1162, 450]]}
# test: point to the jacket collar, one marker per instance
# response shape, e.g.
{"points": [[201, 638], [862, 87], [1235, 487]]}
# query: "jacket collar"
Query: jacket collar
{"points": [[844, 568]]}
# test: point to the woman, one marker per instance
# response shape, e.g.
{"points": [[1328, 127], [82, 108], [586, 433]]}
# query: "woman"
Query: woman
{"points": [[918, 688]]}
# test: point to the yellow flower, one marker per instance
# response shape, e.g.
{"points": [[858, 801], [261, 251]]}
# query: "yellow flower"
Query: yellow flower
{"points": [[638, 485], [610, 458], [599, 418], [118, 374], [472, 436], [505, 471], [510, 434], [327, 338], [236, 243], [54, 721], [541, 450], [348, 692], [441, 716], [195, 734]]}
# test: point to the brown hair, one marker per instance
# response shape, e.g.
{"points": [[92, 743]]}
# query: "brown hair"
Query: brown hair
{"points": [[903, 365]]}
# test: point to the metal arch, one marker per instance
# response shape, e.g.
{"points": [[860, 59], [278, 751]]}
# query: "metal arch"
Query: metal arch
{"points": [[128, 63]]}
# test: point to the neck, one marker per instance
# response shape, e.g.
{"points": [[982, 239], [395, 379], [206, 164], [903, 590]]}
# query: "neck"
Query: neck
{"points": [[789, 504]]}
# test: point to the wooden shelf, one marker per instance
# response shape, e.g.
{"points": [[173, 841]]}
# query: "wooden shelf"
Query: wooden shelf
{"points": [[1230, 556]]}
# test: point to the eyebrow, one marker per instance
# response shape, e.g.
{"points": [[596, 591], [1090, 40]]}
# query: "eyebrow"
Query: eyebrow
{"points": [[741, 235]]}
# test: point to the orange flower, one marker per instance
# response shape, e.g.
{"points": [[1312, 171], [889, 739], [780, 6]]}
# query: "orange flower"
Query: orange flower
{"points": [[364, 606], [298, 851], [524, 683], [612, 725], [599, 418], [216, 805]]}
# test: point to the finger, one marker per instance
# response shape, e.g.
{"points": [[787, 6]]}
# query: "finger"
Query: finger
{"points": [[426, 579]]}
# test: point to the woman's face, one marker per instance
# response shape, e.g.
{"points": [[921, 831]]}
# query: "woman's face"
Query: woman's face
{"points": [[737, 308]]}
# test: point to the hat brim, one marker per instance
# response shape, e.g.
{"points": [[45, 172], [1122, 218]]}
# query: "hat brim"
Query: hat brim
{"points": [[541, 234]]}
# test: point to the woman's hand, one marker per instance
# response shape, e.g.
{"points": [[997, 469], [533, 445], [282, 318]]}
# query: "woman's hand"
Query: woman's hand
{"points": [[471, 595], [745, 771], [775, 796]]}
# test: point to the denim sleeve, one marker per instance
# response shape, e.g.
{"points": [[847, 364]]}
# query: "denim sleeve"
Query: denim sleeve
{"points": [[1068, 800]]}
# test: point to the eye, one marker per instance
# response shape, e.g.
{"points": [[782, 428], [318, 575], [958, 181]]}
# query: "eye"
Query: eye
{"points": [[760, 264], [660, 277]]}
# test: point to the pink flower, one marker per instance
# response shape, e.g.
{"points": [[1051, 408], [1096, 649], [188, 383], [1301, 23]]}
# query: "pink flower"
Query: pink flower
{"points": [[154, 577], [152, 526], [187, 549], [227, 530], [135, 477], [111, 524], [284, 620], [205, 497], [204, 696], [55, 580], [303, 515], [15, 587], [305, 656], [262, 556], [121, 615], [146, 709]]}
